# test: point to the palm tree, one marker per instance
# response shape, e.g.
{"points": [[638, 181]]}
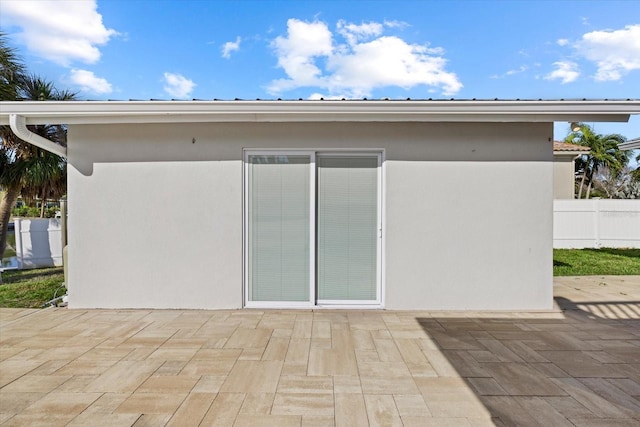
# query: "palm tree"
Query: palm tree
{"points": [[11, 77], [46, 176], [12, 71], [24, 167], [604, 151]]}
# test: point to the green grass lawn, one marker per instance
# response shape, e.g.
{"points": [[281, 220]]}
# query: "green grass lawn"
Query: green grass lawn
{"points": [[596, 262], [30, 288]]}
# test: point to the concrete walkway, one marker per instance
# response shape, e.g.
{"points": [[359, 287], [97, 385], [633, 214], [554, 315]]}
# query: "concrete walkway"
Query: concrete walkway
{"points": [[575, 366]]}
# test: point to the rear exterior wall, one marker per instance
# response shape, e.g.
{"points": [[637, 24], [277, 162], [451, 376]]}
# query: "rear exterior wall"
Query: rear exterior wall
{"points": [[564, 176], [155, 211]]}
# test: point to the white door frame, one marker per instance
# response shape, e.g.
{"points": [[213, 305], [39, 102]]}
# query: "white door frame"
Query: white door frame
{"points": [[378, 301], [312, 232], [313, 302]]}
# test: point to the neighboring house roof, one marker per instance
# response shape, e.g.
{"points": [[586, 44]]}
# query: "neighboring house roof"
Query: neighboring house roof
{"points": [[560, 147], [634, 144], [89, 112]]}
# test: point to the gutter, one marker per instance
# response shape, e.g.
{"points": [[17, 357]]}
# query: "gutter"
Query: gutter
{"points": [[18, 125]]}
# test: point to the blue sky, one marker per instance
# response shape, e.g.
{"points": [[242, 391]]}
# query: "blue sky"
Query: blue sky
{"points": [[110, 49]]}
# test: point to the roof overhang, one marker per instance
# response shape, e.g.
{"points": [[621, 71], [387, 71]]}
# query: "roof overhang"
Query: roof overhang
{"points": [[569, 153], [634, 144], [94, 112]]}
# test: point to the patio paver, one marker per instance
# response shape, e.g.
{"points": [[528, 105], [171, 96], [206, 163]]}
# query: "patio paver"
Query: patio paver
{"points": [[578, 364]]}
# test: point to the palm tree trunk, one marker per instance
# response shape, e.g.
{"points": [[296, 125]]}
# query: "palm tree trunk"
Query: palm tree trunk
{"points": [[589, 186], [584, 173], [42, 201], [9, 199]]}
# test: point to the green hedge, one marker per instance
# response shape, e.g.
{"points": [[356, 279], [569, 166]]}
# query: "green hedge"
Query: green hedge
{"points": [[33, 212]]}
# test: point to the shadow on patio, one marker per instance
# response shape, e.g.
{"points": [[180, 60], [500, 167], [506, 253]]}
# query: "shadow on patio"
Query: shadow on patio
{"points": [[581, 367]]}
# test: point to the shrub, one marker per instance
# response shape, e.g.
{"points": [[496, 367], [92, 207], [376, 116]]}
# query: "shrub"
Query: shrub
{"points": [[33, 212]]}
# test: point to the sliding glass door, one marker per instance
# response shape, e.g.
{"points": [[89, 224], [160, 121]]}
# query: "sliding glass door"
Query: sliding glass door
{"points": [[313, 229], [347, 228], [279, 232]]}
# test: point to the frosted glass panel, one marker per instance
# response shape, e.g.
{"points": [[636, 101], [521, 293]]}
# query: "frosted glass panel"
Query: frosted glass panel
{"points": [[347, 227], [279, 227]]}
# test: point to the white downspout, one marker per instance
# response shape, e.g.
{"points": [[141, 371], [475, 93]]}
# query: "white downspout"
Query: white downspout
{"points": [[19, 127]]}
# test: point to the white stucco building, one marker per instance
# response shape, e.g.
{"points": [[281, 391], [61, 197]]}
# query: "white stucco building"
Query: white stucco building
{"points": [[377, 204]]}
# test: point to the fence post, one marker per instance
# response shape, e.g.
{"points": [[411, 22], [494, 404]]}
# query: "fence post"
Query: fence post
{"points": [[17, 227], [63, 219]]}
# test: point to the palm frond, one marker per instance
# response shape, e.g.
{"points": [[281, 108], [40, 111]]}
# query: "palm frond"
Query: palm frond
{"points": [[12, 70]]}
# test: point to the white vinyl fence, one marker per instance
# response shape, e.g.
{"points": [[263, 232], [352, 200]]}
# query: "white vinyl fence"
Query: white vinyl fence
{"points": [[596, 223], [38, 242]]}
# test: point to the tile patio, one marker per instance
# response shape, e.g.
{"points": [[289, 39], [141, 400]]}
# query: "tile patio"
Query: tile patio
{"points": [[578, 365]]}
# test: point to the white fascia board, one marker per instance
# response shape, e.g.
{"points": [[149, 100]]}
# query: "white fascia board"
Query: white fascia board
{"points": [[630, 145], [569, 153], [90, 112], [296, 117]]}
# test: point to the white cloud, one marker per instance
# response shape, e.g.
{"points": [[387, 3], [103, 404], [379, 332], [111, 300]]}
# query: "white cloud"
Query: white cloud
{"points": [[512, 72], [354, 33], [566, 72], [318, 96], [297, 52], [562, 42], [177, 85], [62, 31], [522, 69], [614, 52], [89, 82], [367, 60], [396, 24], [229, 47]]}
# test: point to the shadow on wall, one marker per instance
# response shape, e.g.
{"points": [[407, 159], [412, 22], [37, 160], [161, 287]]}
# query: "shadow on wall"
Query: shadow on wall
{"points": [[207, 142], [556, 369]]}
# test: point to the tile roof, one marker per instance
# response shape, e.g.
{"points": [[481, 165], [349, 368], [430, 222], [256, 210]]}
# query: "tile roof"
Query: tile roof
{"points": [[565, 146]]}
